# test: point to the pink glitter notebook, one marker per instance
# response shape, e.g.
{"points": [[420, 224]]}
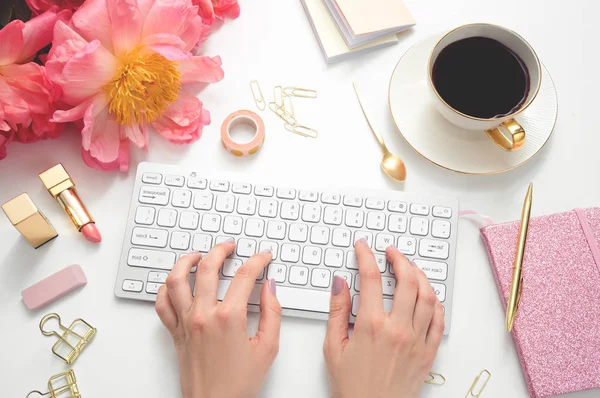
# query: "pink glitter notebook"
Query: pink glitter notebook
{"points": [[557, 328]]}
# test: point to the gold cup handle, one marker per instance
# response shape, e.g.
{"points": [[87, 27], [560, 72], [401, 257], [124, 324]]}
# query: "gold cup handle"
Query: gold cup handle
{"points": [[515, 138]]}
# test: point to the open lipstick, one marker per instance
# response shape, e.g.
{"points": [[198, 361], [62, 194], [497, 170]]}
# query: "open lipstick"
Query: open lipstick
{"points": [[59, 184]]}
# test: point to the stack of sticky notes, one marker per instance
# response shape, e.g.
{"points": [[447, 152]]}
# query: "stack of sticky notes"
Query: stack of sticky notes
{"points": [[346, 27]]}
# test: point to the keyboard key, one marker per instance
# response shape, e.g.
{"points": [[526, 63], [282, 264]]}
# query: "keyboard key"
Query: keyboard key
{"points": [[440, 291], [346, 275], [181, 198], [154, 195], [355, 218], [320, 277], [341, 237], [381, 262], [277, 272], [219, 186], [151, 259], [351, 262], [202, 243], [232, 225], [167, 218], [203, 201], [311, 213], [407, 245], [298, 275], [330, 198], [319, 235], [311, 255], [419, 226], [421, 210], [353, 201], [225, 203], [180, 240], [246, 205], [230, 266], [364, 235], [211, 222], [396, 206], [308, 196], [243, 188], [157, 277], [434, 249], [266, 244], [298, 232], [195, 182], [255, 227], [268, 208], [290, 210], [144, 215], [375, 220], [286, 193], [357, 282], [375, 204], [442, 212], [151, 178], [174, 180], [130, 285], [433, 270], [222, 238], [334, 258], [332, 215], [276, 230], [152, 288], [440, 229], [388, 285], [382, 241], [189, 220], [264, 190], [290, 253], [397, 223], [149, 237], [246, 247]]}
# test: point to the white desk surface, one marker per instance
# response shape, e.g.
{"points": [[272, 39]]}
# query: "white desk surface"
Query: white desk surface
{"points": [[132, 355]]}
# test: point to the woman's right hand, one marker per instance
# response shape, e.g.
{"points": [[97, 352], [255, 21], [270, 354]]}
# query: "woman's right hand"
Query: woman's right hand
{"points": [[389, 354]]}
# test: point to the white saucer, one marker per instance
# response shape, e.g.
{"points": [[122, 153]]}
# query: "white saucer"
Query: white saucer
{"points": [[453, 148]]}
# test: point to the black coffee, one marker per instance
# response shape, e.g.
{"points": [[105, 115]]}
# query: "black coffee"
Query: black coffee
{"points": [[481, 77]]}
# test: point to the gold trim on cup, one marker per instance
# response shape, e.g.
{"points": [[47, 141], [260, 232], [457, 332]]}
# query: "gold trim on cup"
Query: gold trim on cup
{"points": [[525, 104]]}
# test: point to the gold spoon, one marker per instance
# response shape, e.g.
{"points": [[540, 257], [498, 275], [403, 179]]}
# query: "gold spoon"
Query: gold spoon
{"points": [[391, 164]]}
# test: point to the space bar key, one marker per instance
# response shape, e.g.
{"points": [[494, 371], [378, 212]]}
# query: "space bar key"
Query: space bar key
{"points": [[289, 297]]}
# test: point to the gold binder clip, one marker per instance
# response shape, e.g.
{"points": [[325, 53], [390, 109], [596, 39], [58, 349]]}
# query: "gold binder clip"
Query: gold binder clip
{"points": [[283, 114], [300, 92], [71, 340], [471, 392], [301, 130], [259, 99], [435, 379], [63, 385]]}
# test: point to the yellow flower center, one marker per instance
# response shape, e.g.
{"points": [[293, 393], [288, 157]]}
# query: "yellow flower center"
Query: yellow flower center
{"points": [[145, 85]]}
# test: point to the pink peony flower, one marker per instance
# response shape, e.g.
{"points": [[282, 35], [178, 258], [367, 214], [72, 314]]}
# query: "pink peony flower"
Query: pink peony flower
{"points": [[123, 66], [40, 6], [27, 98], [219, 9]]}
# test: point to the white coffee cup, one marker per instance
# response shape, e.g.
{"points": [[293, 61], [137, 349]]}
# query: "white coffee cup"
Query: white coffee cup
{"points": [[492, 126]]}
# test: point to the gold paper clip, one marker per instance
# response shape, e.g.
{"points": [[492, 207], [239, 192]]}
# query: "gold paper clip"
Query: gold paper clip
{"points": [[302, 130], [278, 94], [436, 379], [63, 385], [282, 113], [471, 392], [259, 99], [71, 340], [300, 92], [288, 106]]}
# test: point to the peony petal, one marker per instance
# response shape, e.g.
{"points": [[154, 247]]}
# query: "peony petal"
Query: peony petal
{"points": [[164, 38], [5, 139], [11, 42], [16, 110], [93, 22], [77, 112], [201, 69], [126, 22], [171, 53], [138, 134], [101, 135], [121, 163], [184, 120], [206, 11], [37, 32], [177, 17]]}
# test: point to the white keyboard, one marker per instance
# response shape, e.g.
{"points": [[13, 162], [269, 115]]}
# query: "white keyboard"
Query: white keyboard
{"points": [[310, 232]]}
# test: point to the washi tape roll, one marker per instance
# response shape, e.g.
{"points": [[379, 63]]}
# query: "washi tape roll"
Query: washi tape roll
{"points": [[248, 118]]}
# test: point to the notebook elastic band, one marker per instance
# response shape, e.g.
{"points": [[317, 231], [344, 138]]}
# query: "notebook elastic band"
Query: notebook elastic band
{"points": [[589, 235]]}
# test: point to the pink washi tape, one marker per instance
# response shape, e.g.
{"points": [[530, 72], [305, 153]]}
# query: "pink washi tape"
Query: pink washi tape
{"points": [[248, 118], [53, 287]]}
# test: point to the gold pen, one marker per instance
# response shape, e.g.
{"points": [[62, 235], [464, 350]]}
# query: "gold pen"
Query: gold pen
{"points": [[516, 286]]}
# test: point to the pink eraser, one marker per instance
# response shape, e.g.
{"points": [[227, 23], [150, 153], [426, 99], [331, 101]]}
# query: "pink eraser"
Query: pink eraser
{"points": [[54, 287]]}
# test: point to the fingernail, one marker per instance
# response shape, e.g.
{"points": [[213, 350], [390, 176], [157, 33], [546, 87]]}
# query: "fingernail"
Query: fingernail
{"points": [[412, 263], [265, 251], [273, 286], [362, 241], [338, 285], [393, 247], [230, 240]]}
